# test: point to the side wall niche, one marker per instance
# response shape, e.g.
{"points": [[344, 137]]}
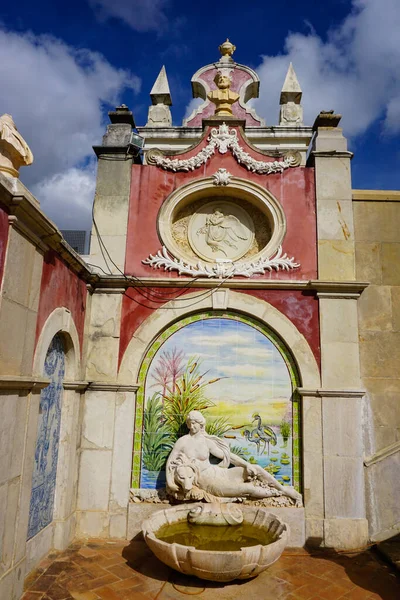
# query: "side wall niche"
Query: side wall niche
{"points": [[47, 442], [239, 374]]}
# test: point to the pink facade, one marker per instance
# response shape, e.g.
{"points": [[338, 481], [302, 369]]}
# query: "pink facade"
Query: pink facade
{"points": [[294, 189], [60, 287]]}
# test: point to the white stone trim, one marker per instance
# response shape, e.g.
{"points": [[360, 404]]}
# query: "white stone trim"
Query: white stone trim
{"points": [[59, 321], [14, 382], [104, 386], [330, 393], [237, 302], [382, 454]]}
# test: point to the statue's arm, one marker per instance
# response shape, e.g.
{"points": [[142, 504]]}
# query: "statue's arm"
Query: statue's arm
{"points": [[217, 452], [176, 450]]}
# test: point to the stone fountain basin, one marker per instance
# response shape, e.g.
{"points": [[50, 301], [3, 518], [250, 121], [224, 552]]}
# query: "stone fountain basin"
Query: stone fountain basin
{"points": [[222, 565]]}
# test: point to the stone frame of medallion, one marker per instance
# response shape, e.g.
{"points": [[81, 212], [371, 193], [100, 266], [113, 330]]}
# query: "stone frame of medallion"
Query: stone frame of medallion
{"points": [[234, 316], [60, 532], [237, 189]]}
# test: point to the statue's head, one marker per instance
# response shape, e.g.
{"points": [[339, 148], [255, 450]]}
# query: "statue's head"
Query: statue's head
{"points": [[185, 477], [195, 416], [222, 81]]}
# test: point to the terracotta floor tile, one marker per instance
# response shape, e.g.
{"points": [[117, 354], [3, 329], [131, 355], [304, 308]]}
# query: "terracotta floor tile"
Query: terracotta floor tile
{"points": [[92, 584], [86, 552], [125, 584], [43, 583], [56, 592], [110, 562], [106, 593], [95, 570], [357, 594], [308, 591], [98, 570], [121, 571], [84, 596], [332, 592]]}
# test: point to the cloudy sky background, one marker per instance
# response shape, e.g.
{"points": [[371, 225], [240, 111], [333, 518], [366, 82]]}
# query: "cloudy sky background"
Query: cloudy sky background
{"points": [[256, 378], [64, 65]]}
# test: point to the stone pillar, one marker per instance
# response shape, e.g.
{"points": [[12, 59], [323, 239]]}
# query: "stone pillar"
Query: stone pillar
{"points": [[111, 201], [106, 460], [345, 525], [107, 426], [64, 515]]}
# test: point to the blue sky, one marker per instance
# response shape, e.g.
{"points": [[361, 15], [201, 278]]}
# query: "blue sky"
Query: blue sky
{"points": [[65, 64]]}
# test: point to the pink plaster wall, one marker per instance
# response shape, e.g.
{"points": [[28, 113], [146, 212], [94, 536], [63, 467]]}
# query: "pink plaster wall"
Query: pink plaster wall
{"points": [[294, 189], [60, 287], [3, 240]]}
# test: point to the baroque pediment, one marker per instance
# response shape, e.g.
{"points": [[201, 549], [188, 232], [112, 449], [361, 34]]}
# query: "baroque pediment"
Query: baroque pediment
{"points": [[223, 139]]}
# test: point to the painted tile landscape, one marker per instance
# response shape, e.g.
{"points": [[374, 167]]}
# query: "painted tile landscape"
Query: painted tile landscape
{"points": [[237, 377]]}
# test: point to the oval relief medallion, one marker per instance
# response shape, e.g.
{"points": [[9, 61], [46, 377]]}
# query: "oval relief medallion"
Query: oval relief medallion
{"points": [[221, 230]]}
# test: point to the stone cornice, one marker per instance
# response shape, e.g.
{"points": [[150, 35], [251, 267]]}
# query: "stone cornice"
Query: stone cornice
{"points": [[382, 454], [376, 195], [330, 393], [15, 383], [117, 284], [332, 154], [79, 386], [107, 386]]}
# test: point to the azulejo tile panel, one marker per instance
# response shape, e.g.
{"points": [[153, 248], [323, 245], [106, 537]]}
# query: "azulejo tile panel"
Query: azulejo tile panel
{"points": [[47, 441], [239, 374]]}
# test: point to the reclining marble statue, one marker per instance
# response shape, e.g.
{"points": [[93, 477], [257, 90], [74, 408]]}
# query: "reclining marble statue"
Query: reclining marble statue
{"points": [[191, 476]]}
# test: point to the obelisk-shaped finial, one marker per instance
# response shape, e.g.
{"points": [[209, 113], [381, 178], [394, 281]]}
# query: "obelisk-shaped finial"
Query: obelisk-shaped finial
{"points": [[159, 113], [291, 112]]}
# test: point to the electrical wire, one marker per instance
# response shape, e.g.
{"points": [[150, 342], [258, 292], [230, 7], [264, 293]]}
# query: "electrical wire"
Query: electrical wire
{"points": [[157, 297]]}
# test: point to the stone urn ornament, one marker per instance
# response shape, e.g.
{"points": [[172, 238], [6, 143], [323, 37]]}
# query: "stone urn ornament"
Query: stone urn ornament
{"points": [[14, 151]]}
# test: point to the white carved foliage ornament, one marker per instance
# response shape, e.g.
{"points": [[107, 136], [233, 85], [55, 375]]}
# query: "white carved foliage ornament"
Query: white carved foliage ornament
{"points": [[221, 269], [223, 139]]}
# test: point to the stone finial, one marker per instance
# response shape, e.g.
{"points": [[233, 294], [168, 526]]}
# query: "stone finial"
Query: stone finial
{"points": [[226, 49], [223, 97], [14, 151], [291, 112], [159, 113]]}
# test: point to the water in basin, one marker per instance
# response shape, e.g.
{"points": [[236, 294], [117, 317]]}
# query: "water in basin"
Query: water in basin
{"points": [[208, 537]]}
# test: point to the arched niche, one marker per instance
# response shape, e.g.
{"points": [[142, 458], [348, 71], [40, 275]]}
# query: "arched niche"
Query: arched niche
{"points": [[234, 301], [59, 321], [52, 460], [150, 336]]}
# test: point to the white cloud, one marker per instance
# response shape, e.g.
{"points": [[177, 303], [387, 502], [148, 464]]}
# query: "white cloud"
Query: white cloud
{"points": [[67, 197], [260, 353], [193, 105], [245, 370], [56, 95], [356, 71], [140, 15]]}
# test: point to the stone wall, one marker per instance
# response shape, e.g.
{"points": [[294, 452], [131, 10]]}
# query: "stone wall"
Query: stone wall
{"points": [[377, 236], [33, 309]]}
